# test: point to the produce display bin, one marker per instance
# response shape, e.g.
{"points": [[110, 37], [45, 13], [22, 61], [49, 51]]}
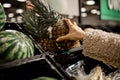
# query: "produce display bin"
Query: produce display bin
{"points": [[29, 68], [46, 63], [75, 55]]}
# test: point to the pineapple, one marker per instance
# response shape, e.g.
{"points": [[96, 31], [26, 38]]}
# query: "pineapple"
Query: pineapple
{"points": [[46, 25]]}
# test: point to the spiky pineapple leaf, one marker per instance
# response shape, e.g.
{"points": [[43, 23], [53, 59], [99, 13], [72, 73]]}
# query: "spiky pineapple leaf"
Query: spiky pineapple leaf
{"points": [[30, 20], [38, 20], [42, 8]]}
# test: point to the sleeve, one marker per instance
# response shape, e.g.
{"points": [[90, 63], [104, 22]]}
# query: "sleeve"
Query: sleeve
{"points": [[102, 46]]}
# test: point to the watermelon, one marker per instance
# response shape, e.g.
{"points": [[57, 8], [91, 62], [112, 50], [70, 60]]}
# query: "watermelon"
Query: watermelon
{"points": [[15, 45], [45, 78], [2, 17]]}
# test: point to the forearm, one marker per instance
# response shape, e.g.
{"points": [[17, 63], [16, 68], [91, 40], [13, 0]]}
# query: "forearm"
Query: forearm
{"points": [[102, 46]]}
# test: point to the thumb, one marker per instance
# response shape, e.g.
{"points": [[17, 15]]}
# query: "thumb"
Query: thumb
{"points": [[29, 7], [62, 38], [75, 23]]}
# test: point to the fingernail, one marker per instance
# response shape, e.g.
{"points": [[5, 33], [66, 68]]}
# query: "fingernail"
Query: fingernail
{"points": [[57, 39]]}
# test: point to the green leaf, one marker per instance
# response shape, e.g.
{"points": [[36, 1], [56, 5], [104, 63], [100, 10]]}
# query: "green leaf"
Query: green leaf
{"points": [[38, 20]]}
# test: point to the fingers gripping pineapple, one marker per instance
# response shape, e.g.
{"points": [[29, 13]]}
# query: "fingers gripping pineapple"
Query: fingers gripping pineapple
{"points": [[46, 25]]}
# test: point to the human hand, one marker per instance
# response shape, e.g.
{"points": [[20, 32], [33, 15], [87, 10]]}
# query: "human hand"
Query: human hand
{"points": [[29, 5], [75, 32]]}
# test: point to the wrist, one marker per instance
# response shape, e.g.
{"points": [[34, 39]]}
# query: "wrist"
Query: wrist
{"points": [[81, 35]]}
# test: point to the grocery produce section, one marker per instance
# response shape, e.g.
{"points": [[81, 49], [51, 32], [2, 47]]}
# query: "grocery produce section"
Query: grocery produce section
{"points": [[29, 51]]}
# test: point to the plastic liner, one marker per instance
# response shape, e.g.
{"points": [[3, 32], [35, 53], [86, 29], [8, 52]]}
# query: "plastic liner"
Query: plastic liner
{"points": [[115, 75], [77, 72]]}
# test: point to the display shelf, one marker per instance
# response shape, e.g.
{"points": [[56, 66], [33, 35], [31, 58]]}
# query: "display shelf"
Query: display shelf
{"points": [[65, 60], [47, 63], [27, 69]]}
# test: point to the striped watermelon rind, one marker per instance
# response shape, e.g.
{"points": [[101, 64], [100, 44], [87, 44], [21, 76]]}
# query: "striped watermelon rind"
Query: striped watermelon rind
{"points": [[2, 17], [15, 45], [45, 78]]}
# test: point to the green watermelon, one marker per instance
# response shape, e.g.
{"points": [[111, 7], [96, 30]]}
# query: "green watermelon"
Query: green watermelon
{"points": [[15, 45], [45, 78], [2, 17]]}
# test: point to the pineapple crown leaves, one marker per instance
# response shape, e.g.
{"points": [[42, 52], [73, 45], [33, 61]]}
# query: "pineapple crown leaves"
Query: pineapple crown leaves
{"points": [[31, 22], [45, 11], [40, 19]]}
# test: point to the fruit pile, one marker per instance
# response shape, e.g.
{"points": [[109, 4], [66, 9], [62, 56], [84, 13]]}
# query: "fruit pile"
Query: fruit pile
{"points": [[13, 44]]}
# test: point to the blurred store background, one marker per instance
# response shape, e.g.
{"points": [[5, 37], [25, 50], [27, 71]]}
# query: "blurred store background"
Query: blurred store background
{"points": [[86, 12], [13, 9]]}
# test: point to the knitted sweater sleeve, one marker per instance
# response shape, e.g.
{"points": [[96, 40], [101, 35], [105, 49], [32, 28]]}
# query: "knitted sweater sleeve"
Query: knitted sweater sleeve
{"points": [[102, 46]]}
